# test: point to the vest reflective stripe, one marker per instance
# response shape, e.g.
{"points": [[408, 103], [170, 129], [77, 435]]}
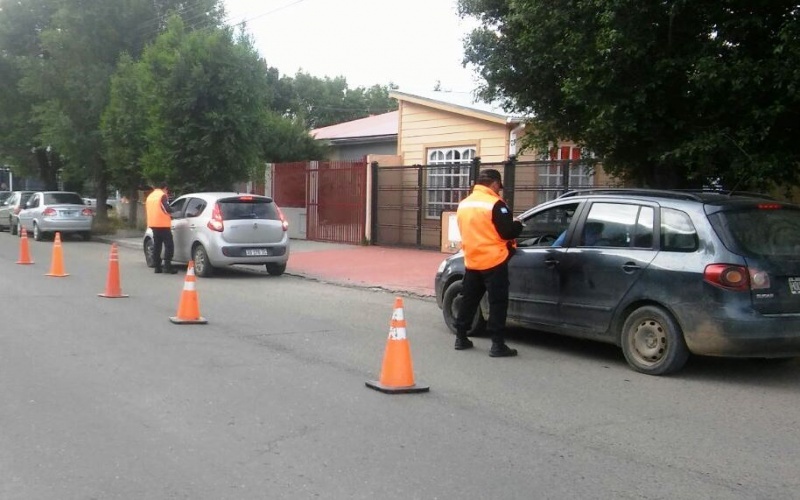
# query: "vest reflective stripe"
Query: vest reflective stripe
{"points": [[156, 217], [483, 247]]}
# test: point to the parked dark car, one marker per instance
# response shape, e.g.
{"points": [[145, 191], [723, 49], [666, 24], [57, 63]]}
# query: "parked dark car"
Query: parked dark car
{"points": [[10, 208], [663, 274]]}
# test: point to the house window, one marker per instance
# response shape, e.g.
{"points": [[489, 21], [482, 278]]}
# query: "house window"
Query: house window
{"points": [[550, 177], [447, 179]]}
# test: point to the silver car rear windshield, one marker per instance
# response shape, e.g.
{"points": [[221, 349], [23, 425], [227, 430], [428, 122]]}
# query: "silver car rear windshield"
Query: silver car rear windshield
{"points": [[765, 230], [62, 198], [255, 208]]}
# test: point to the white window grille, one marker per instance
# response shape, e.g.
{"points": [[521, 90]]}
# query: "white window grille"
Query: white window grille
{"points": [[447, 179], [550, 177]]}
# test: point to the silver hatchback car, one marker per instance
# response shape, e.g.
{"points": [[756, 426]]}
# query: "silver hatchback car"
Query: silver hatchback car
{"points": [[222, 229]]}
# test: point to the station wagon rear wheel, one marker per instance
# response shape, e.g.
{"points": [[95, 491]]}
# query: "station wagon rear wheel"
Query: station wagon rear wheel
{"points": [[653, 342], [451, 303], [202, 266]]}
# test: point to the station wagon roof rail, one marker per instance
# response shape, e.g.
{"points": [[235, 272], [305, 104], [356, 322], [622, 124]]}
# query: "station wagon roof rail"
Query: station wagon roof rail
{"points": [[689, 194]]}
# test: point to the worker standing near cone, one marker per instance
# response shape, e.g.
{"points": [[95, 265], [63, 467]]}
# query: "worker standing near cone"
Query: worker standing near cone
{"points": [[487, 232], [159, 220]]}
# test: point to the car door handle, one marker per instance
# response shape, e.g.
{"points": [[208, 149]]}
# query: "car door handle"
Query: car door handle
{"points": [[631, 267], [551, 262]]}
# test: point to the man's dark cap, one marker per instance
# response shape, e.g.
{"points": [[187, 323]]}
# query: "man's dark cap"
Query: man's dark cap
{"points": [[488, 176]]}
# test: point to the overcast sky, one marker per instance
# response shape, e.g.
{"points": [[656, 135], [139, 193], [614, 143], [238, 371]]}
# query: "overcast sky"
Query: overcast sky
{"points": [[412, 43]]}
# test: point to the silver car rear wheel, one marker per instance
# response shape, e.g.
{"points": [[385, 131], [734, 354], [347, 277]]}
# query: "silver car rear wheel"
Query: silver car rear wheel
{"points": [[202, 266], [38, 235], [12, 228]]}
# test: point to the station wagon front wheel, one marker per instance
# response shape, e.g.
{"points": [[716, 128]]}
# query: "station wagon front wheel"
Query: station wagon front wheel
{"points": [[451, 303], [652, 342]]}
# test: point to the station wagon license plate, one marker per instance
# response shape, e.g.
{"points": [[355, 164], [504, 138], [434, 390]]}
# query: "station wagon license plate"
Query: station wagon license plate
{"points": [[794, 286], [254, 252]]}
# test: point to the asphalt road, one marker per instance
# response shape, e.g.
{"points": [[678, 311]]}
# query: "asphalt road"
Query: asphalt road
{"points": [[105, 398]]}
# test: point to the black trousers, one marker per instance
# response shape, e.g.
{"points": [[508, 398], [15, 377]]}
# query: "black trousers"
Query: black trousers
{"points": [[162, 236], [493, 281]]}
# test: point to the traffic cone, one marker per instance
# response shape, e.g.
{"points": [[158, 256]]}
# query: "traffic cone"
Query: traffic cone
{"points": [[189, 307], [113, 287], [57, 264], [24, 250], [397, 373]]}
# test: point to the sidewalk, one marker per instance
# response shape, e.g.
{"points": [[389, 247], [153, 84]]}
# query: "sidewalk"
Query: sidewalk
{"points": [[399, 270]]}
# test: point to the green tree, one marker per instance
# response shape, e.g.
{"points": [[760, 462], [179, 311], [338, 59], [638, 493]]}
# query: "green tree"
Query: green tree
{"points": [[667, 94], [205, 95], [320, 102]]}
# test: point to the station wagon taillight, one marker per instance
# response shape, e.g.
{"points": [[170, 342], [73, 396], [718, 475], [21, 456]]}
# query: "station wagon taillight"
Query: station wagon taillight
{"points": [[733, 277], [215, 224]]}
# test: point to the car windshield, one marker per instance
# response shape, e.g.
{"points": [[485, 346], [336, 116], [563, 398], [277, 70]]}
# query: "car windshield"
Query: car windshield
{"points": [[4, 195], [765, 230], [248, 208], [62, 198]]}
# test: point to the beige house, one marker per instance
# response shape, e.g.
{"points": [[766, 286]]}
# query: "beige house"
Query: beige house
{"points": [[444, 132]]}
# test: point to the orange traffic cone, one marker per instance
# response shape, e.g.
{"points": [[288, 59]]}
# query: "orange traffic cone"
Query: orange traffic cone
{"points": [[189, 307], [24, 250], [113, 287], [57, 264], [397, 373]]}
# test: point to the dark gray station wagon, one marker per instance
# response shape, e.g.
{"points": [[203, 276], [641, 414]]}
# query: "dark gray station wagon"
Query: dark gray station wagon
{"points": [[662, 274]]}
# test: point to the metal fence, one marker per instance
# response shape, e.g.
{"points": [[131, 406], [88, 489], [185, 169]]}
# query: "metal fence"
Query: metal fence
{"points": [[408, 201]]}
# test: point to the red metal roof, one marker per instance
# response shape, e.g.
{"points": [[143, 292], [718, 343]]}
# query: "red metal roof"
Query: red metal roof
{"points": [[377, 125]]}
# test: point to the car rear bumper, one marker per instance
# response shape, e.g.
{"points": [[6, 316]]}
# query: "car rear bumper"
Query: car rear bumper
{"points": [[757, 336], [77, 225], [233, 254]]}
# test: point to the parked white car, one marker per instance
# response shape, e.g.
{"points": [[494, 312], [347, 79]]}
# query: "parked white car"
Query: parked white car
{"points": [[222, 229], [48, 212]]}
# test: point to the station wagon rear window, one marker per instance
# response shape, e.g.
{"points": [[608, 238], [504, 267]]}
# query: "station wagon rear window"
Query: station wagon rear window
{"points": [[248, 208], [764, 230]]}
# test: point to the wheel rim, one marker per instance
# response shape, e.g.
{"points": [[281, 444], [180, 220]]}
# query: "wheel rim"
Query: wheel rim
{"points": [[149, 253], [649, 341], [36, 234], [200, 260]]}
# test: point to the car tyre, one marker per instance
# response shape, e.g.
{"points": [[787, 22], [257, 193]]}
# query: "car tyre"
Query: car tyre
{"points": [[12, 228], [451, 302], [202, 266], [148, 253], [276, 269], [19, 229], [38, 234], [652, 342]]}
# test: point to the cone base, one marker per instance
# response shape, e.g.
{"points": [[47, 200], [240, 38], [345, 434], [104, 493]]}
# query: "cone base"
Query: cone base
{"points": [[25, 263], [178, 321], [374, 384], [57, 275], [120, 296]]}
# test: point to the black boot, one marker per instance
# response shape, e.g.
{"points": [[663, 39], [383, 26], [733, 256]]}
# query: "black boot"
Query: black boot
{"points": [[169, 268], [462, 342], [500, 350]]}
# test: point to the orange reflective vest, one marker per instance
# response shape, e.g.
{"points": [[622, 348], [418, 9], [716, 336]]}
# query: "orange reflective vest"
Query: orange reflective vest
{"points": [[156, 216], [482, 245]]}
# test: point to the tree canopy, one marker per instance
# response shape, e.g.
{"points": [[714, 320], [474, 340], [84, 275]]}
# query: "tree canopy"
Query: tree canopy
{"points": [[115, 92], [666, 94]]}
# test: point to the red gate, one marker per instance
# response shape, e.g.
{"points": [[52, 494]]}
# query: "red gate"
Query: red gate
{"points": [[336, 201]]}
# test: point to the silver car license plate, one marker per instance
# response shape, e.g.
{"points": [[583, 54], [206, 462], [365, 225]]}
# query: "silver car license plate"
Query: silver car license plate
{"points": [[253, 252], [794, 286], [69, 213]]}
